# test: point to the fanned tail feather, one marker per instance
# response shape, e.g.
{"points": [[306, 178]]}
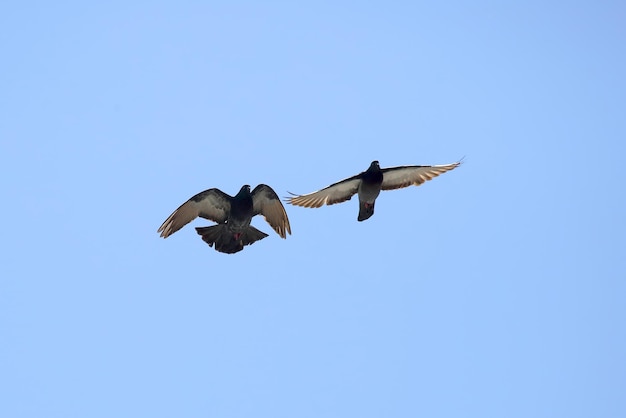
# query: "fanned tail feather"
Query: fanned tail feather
{"points": [[223, 240]]}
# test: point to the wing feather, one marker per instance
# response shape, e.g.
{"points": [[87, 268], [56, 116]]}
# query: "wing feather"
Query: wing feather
{"points": [[267, 203], [404, 176], [335, 193], [210, 204]]}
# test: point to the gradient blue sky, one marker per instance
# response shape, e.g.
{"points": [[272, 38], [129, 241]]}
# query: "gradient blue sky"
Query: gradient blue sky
{"points": [[495, 290]]}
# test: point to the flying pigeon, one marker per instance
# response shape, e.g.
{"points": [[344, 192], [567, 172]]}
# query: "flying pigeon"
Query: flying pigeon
{"points": [[368, 185], [232, 214]]}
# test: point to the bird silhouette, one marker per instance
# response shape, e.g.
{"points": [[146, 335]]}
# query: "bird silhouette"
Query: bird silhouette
{"points": [[233, 215], [368, 185]]}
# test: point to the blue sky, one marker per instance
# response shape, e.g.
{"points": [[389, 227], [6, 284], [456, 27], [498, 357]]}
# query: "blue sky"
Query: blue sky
{"points": [[494, 290]]}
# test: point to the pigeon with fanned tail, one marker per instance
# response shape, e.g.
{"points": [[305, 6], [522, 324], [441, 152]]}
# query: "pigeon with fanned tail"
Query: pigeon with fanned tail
{"points": [[233, 216], [368, 185]]}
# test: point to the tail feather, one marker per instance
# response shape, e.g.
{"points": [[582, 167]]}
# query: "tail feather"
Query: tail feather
{"points": [[225, 241], [366, 210], [251, 235], [210, 234]]}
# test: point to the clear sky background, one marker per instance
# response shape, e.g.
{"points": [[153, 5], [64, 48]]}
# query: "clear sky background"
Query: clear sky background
{"points": [[495, 290]]}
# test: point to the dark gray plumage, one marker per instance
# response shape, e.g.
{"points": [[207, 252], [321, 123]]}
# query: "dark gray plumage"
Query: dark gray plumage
{"points": [[232, 214], [368, 185]]}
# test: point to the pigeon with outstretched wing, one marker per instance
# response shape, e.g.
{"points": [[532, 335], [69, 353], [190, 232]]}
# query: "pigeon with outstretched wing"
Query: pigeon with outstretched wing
{"points": [[368, 185], [233, 215]]}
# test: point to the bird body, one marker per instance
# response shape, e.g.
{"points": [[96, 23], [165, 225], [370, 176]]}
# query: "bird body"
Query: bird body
{"points": [[241, 211], [368, 191], [233, 215], [368, 184]]}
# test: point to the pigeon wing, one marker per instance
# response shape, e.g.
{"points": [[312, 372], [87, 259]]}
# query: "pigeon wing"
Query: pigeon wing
{"points": [[335, 193], [404, 176], [267, 203], [210, 204]]}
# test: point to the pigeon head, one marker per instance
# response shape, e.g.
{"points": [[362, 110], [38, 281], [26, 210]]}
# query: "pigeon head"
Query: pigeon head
{"points": [[245, 190], [374, 165]]}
